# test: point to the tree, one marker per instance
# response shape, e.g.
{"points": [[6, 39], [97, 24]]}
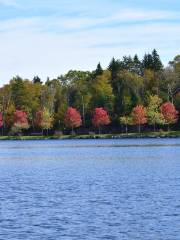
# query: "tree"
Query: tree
{"points": [[78, 94], [47, 120], [153, 111], [72, 118], [102, 93], [137, 65], [114, 67], [169, 112], [38, 121], [130, 87], [139, 116], [157, 64], [147, 61], [43, 120], [20, 121], [169, 83], [19, 93], [9, 115], [98, 70], [126, 120], [100, 118], [37, 79]]}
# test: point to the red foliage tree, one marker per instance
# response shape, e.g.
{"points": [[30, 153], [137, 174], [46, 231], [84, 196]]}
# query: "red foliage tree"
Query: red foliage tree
{"points": [[1, 120], [100, 118], [139, 116], [169, 112], [20, 119], [72, 118]]}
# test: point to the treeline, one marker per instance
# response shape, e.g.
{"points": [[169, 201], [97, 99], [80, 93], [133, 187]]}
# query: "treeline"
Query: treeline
{"points": [[129, 92]]}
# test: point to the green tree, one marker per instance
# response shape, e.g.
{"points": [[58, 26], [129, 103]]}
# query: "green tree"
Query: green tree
{"points": [[153, 111], [126, 120], [43, 120], [175, 64], [102, 93], [47, 120], [157, 64], [98, 70]]}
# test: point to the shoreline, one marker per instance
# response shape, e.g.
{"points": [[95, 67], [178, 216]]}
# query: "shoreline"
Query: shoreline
{"points": [[172, 134]]}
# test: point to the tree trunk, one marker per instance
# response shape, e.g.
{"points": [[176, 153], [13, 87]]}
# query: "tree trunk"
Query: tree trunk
{"points": [[126, 129], [154, 127], [99, 130]]}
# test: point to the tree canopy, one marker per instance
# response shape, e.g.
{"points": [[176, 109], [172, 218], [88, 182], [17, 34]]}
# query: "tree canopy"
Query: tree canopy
{"points": [[120, 89]]}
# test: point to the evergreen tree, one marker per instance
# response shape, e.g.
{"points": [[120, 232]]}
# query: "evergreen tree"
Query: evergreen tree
{"points": [[157, 64], [37, 79], [127, 63], [148, 61], [114, 67], [98, 70], [137, 65]]}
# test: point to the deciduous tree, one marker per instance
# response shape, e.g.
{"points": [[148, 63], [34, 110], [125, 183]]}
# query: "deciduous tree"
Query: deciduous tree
{"points": [[20, 121], [72, 118], [169, 112], [43, 120], [102, 94], [126, 120], [139, 116], [153, 111], [100, 118]]}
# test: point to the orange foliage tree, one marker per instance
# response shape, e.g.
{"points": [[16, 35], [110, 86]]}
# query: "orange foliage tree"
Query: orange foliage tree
{"points": [[169, 112], [72, 118], [139, 116], [100, 118], [20, 121]]}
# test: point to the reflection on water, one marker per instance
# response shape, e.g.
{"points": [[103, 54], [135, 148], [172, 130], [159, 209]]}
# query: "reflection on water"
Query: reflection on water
{"points": [[90, 189]]}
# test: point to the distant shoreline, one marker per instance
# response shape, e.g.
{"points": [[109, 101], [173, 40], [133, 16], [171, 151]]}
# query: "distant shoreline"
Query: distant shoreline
{"points": [[172, 134]]}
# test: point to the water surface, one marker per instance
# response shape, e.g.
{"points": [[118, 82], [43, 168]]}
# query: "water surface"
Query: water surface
{"points": [[90, 189]]}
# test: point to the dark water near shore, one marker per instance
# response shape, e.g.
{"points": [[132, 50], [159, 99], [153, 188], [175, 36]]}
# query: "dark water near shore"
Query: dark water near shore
{"points": [[90, 189]]}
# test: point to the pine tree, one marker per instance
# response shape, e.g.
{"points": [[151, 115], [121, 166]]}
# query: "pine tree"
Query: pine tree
{"points": [[127, 63], [37, 79], [137, 65], [98, 70], [148, 61], [157, 64], [114, 68]]}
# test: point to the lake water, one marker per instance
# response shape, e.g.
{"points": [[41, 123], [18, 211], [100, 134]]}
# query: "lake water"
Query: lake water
{"points": [[90, 189]]}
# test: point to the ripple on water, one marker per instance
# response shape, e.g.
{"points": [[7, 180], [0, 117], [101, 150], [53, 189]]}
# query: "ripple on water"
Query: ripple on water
{"points": [[90, 189]]}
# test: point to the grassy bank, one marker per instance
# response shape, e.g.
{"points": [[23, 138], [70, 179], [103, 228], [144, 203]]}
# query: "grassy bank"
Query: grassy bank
{"points": [[172, 134]]}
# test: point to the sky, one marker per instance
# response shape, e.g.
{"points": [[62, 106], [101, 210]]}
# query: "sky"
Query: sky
{"points": [[50, 37]]}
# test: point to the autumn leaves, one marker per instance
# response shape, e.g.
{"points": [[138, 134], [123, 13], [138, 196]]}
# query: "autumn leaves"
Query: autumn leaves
{"points": [[154, 114]]}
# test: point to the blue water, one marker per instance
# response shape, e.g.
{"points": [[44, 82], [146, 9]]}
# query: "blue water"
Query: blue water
{"points": [[90, 189]]}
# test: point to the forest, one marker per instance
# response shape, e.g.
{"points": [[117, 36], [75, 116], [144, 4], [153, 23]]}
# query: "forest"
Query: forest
{"points": [[129, 95]]}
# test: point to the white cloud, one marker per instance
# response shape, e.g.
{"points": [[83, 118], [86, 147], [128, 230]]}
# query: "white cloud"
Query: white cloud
{"points": [[52, 45]]}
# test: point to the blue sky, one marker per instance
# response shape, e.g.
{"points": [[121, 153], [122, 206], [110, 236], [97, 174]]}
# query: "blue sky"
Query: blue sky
{"points": [[49, 37]]}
